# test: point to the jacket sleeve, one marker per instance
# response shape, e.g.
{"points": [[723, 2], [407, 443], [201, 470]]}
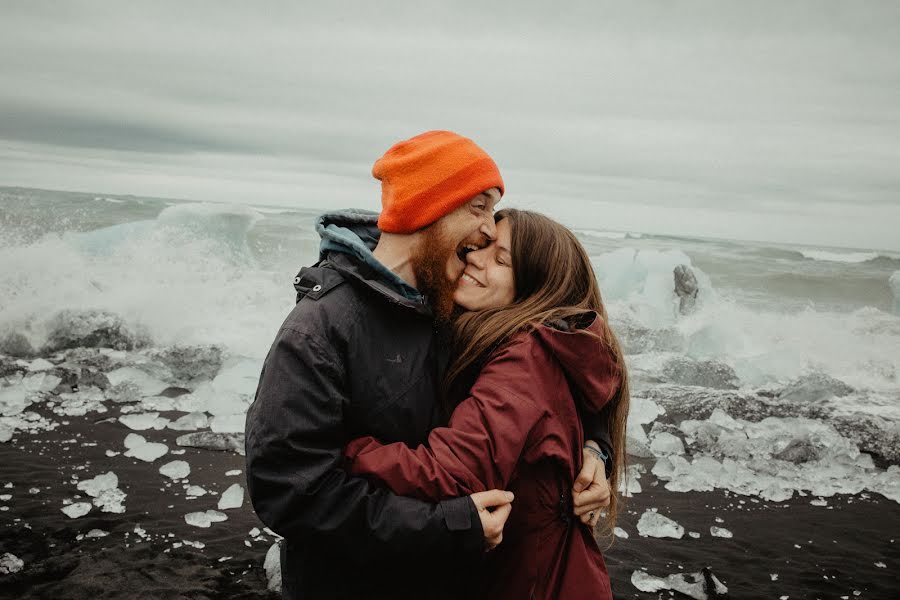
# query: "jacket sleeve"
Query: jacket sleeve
{"points": [[294, 439], [480, 447], [596, 427]]}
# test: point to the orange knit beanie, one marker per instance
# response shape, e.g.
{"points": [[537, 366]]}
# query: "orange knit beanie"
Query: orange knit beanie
{"points": [[429, 176]]}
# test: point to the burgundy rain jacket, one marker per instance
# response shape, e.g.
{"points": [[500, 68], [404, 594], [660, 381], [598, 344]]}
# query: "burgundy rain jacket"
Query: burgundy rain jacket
{"points": [[519, 429]]}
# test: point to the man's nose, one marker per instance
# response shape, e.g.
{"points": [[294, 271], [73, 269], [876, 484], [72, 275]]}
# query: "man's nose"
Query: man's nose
{"points": [[489, 228]]}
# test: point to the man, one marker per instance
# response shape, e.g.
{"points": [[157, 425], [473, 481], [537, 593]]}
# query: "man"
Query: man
{"points": [[361, 354]]}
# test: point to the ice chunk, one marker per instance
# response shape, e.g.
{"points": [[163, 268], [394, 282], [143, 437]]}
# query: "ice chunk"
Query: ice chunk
{"points": [[104, 490], [132, 440], [643, 411], [232, 472], [213, 441], [78, 509], [701, 585], [148, 452], [99, 484], [232, 390], [272, 566], [720, 532], [228, 423], [255, 532], [233, 497], [96, 533], [41, 382], [13, 400], [147, 384], [39, 364], [10, 563], [177, 469], [653, 524], [143, 421], [190, 422], [6, 433], [636, 440], [197, 519], [195, 491], [205, 519], [620, 533], [664, 444]]}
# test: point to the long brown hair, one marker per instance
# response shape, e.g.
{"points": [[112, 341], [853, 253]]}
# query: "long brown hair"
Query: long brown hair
{"points": [[554, 280]]}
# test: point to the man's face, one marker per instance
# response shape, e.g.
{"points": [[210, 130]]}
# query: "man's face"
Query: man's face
{"points": [[441, 258], [469, 227]]}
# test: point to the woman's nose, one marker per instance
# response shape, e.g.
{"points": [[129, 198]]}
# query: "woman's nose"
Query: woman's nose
{"points": [[476, 258]]}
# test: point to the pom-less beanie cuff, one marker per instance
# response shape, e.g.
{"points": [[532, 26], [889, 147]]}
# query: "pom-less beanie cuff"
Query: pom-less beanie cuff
{"points": [[429, 176]]}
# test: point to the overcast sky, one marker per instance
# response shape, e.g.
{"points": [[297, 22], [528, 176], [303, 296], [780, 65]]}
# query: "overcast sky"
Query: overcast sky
{"points": [[753, 120]]}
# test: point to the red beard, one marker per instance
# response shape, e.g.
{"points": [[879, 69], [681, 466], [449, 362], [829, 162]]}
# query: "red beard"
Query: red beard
{"points": [[429, 264]]}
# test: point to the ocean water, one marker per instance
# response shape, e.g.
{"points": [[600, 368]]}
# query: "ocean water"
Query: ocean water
{"points": [[795, 326]]}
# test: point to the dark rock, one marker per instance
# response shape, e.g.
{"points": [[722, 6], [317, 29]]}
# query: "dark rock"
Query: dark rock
{"points": [[873, 435], [16, 344], [703, 373], [190, 363], [815, 387], [799, 451], [92, 329], [174, 392], [686, 288]]}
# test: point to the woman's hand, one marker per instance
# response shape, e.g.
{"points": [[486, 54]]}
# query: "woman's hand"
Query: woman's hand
{"points": [[591, 491], [493, 507]]}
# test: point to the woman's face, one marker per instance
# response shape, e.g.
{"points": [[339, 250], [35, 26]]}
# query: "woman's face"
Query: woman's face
{"points": [[487, 281]]}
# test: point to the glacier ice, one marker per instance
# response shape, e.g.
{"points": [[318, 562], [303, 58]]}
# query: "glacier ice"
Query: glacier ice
{"points": [[233, 497], [177, 469], [77, 509], [653, 524]]}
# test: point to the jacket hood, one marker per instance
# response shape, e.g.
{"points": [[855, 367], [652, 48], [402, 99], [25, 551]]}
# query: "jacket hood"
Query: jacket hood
{"points": [[586, 360], [354, 232]]}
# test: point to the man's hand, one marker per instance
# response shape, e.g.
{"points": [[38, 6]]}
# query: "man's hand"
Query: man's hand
{"points": [[591, 491], [493, 507]]}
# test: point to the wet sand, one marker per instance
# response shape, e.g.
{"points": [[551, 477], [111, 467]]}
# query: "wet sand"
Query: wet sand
{"points": [[788, 549]]}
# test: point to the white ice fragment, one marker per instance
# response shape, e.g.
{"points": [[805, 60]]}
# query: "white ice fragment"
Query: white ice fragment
{"points": [[5, 497], [111, 453], [255, 532], [6, 433], [819, 502], [10, 563], [148, 385], [664, 444], [195, 491], [773, 576], [78, 509], [96, 533], [694, 534], [233, 497], [653, 524], [720, 532], [190, 422], [41, 382], [39, 364], [272, 566], [148, 452], [204, 519], [197, 519], [881, 565], [99, 484], [233, 472], [621, 533], [646, 582], [133, 440], [141, 421], [177, 469], [228, 423]]}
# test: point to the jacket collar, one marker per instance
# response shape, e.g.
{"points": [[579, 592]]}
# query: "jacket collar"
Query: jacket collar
{"points": [[348, 239]]}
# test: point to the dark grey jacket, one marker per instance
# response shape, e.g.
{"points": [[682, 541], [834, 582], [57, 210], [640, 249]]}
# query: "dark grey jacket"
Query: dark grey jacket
{"points": [[358, 355]]}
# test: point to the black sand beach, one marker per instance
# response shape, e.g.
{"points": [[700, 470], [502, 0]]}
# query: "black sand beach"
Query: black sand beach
{"points": [[847, 549]]}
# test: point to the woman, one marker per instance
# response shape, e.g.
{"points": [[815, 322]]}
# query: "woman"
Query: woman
{"points": [[532, 351]]}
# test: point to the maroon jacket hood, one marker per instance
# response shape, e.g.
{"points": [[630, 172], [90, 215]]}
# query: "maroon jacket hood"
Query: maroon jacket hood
{"points": [[586, 360]]}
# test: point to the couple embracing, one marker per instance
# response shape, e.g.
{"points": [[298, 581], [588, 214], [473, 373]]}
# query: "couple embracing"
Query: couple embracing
{"points": [[442, 415]]}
